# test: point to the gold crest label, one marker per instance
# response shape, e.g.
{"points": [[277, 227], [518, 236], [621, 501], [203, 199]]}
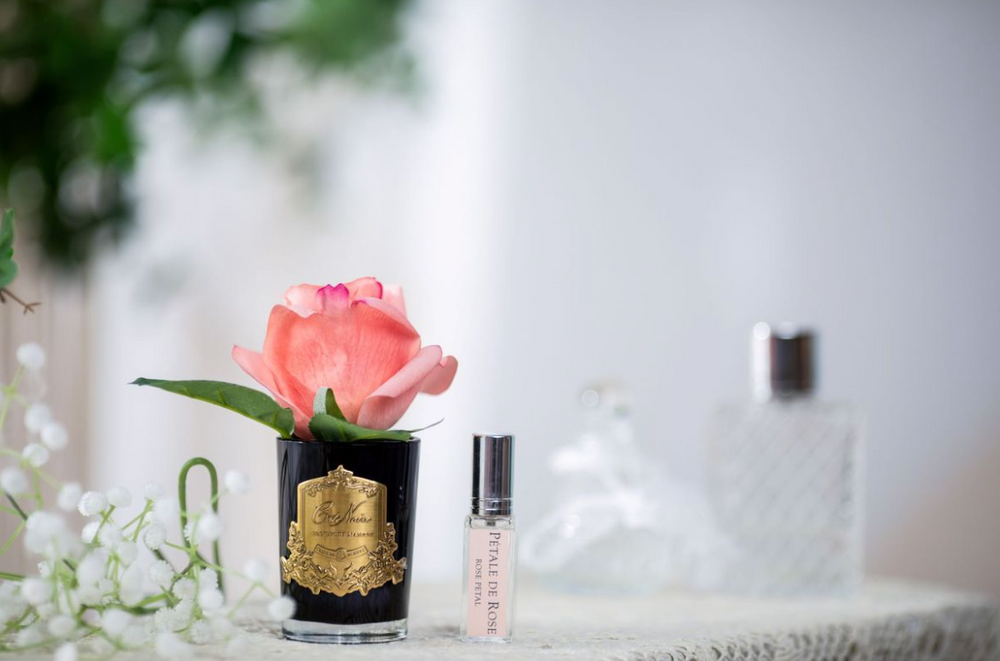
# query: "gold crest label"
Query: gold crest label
{"points": [[342, 542]]}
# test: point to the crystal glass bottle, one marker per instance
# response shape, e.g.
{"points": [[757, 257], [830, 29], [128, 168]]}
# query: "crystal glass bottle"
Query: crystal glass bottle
{"points": [[786, 478]]}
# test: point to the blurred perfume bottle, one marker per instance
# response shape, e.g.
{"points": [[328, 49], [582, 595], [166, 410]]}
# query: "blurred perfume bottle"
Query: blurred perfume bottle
{"points": [[786, 477], [617, 524]]}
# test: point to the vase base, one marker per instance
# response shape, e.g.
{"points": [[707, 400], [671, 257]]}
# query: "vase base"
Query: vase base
{"points": [[344, 634]]}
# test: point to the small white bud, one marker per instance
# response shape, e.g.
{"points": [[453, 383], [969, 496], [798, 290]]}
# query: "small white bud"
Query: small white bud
{"points": [[13, 481], [119, 497], [61, 626], [211, 599], [36, 417], [54, 436], [166, 509], [257, 570], [109, 536], [170, 646], [66, 652], [281, 608], [35, 454], [31, 356], [161, 574], [154, 491], [237, 482], [91, 569], [185, 589], [209, 527], [93, 502], [208, 579], [127, 553], [154, 536], [69, 496], [36, 590], [200, 632], [114, 622], [90, 532]]}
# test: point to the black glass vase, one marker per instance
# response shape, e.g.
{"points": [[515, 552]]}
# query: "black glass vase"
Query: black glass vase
{"points": [[346, 517]]}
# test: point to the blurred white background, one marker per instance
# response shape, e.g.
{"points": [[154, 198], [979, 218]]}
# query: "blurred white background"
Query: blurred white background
{"points": [[589, 189]]}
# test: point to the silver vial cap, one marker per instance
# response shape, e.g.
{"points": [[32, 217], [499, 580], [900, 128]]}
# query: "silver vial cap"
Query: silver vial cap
{"points": [[782, 359], [492, 474]]}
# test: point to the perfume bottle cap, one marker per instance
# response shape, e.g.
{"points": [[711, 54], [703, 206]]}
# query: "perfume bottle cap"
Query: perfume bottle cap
{"points": [[492, 474], [782, 362]]}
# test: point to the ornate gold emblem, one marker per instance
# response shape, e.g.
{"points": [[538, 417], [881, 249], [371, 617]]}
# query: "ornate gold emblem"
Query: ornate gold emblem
{"points": [[342, 542]]}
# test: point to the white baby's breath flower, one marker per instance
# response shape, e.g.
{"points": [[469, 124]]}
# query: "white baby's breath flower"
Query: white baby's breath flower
{"points": [[91, 618], [107, 587], [46, 610], [154, 536], [90, 570], [88, 595], [31, 635], [31, 356], [119, 496], [35, 454], [13, 481], [154, 491], [127, 552], [170, 646], [185, 589], [209, 527], [61, 626], [208, 578], [46, 533], [257, 570], [66, 652], [54, 436], [45, 569], [166, 509], [110, 535], [93, 502], [161, 574], [138, 634], [200, 632], [36, 590], [69, 496], [211, 599], [89, 532], [36, 417], [281, 608], [237, 482], [114, 622]]}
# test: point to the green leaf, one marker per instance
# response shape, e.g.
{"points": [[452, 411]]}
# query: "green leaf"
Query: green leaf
{"points": [[326, 427], [325, 402], [245, 401], [8, 268]]}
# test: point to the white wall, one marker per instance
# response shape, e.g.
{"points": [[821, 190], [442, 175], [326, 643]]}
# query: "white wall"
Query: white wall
{"points": [[594, 188]]}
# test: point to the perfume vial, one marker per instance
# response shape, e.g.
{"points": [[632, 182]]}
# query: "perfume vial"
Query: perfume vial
{"points": [[490, 549], [786, 477]]}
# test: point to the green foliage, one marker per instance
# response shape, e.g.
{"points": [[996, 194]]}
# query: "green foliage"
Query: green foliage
{"points": [[8, 268], [245, 401], [325, 427], [326, 402], [74, 74]]}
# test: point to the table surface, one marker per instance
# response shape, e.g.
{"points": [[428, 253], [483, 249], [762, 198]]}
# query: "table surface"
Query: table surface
{"points": [[888, 620]]}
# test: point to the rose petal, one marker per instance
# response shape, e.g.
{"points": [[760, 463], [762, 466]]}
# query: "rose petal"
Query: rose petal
{"points": [[353, 353], [440, 377], [393, 295], [253, 364], [332, 300], [302, 296], [367, 287], [387, 405], [386, 309]]}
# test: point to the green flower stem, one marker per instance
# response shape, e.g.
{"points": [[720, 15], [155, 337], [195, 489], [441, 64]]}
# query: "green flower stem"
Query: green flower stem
{"points": [[17, 508], [9, 393], [10, 540], [11, 577], [213, 476]]}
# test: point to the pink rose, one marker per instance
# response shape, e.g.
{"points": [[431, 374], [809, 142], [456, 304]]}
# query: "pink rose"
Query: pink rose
{"points": [[353, 338]]}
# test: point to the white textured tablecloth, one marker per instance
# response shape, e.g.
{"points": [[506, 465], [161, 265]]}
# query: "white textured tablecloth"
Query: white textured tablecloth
{"points": [[888, 621]]}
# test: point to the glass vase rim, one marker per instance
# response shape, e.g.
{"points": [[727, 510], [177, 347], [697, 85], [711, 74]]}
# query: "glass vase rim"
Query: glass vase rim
{"points": [[366, 442]]}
